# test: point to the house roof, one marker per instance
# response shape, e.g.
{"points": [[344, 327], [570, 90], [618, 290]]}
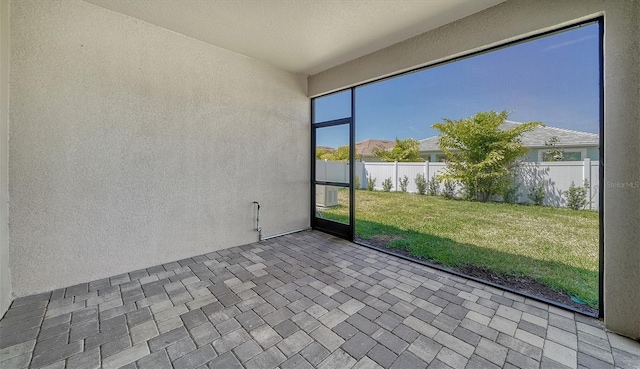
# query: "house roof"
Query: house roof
{"points": [[367, 147], [429, 144], [535, 138]]}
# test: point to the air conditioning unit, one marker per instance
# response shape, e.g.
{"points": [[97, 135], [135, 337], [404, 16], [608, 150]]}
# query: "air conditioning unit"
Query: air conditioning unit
{"points": [[326, 196]]}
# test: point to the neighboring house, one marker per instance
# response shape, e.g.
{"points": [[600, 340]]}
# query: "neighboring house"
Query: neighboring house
{"points": [[366, 149], [576, 145]]}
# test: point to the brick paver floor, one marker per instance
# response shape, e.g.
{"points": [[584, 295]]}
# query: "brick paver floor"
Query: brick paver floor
{"points": [[299, 301]]}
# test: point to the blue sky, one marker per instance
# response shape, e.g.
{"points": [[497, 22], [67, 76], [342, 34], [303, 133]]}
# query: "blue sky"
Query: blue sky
{"points": [[553, 80]]}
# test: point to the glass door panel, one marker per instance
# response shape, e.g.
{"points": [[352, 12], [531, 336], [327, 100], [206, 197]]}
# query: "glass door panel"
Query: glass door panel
{"points": [[332, 107], [332, 154], [332, 145]]}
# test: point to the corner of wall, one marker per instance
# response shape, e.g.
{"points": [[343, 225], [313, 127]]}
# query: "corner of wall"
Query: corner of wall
{"points": [[6, 290]]}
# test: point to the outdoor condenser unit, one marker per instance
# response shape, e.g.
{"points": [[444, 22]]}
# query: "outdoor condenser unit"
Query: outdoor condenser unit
{"points": [[326, 196]]}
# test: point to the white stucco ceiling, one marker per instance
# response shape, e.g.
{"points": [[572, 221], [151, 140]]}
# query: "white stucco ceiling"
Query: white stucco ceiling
{"points": [[300, 36]]}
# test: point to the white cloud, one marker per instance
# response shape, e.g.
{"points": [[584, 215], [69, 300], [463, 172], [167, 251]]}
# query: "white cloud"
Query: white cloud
{"points": [[567, 43]]}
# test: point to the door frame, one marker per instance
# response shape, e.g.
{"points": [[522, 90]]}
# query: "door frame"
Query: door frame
{"points": [[346, 231]]}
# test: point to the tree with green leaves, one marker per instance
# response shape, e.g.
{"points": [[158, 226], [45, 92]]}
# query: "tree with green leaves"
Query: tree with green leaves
{"points": [[404, 151], [479, 154], [339, 154], [321, 152]]}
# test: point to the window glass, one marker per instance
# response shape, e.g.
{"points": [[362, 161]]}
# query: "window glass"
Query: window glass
{"points": [[572, 156], [510, 218], [332, 203], [332, 153], [331, 107]]}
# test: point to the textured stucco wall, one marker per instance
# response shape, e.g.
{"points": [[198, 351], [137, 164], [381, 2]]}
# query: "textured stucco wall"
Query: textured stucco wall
{"points": [[621, 150], [132, 145], [512, 20], [5, 275]]}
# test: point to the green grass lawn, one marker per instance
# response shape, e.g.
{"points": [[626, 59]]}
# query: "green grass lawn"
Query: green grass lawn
{"points": [[557, 247]]}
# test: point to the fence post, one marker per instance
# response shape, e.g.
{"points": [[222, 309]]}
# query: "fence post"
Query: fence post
{"points": [[347, 167], [395, 175], [325, 169], [586, 174], [426, 170]]}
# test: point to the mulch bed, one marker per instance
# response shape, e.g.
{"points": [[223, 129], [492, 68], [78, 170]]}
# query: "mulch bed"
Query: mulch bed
{"points": [[519, 284]]}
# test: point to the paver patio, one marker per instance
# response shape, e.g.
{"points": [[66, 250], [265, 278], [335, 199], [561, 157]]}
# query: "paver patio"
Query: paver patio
{"points": [[299, 301]]}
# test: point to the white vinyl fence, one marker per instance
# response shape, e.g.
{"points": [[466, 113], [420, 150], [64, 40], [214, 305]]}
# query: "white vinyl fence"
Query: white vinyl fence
{"points": [[338, 171], [557, 176]]}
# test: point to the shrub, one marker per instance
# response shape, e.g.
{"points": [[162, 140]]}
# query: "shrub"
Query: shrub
{"points": [[479, 153], [577, 196], [371, 183], [510, 191], [537, 194], [449, 189], [404, 183], [433, 186], [357, 184], [387, 185], [421, 183]]}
